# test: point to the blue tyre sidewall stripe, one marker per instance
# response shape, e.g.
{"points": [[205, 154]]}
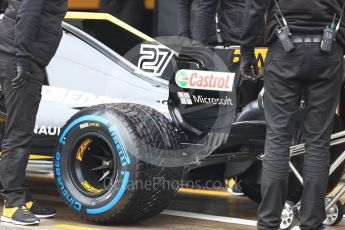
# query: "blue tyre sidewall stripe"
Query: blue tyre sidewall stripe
{"points": [[79, 120], [115, 200], [124, 174]]}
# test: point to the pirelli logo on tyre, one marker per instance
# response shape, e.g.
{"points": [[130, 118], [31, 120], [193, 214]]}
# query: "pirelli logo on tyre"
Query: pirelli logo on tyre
{"points": [[205, 80]]}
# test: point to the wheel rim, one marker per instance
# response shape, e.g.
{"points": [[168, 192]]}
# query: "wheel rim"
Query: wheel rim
{"points": [[332, 213], [287, 217], [93, 164]]}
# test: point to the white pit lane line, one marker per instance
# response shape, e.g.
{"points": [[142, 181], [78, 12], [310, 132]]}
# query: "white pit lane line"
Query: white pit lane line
{"points": [[167, 212], [191, 215], [223, 219]]}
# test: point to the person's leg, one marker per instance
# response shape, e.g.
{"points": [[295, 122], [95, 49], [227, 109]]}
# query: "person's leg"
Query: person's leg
{"points": [[231, 21], [123, 10], [111, 6], [206, 13], [281, 102], [22, 106], [321, 95], [136, 20], [184, 17]]}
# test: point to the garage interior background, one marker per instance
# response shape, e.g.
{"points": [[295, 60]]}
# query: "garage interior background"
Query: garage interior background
{"points": [[160, 17]]}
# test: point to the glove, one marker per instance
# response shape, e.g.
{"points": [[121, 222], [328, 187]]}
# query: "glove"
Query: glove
{"points": [[22, 78], [249, 66]]}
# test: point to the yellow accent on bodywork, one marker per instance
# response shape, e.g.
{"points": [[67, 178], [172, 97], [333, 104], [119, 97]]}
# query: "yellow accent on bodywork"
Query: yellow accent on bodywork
{"points": [[262, 51], [90, 188], [82, 148], [237, 52], [110, 18], [258, 52]]}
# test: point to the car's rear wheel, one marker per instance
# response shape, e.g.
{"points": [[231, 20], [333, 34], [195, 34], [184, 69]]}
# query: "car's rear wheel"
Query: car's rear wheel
{"points": [[103, 167], [250, 181]]}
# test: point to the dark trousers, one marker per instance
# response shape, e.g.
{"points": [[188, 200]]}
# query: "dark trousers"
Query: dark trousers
{"points": [[319, 75], [22, 106], [124, 11], [202, 19]]}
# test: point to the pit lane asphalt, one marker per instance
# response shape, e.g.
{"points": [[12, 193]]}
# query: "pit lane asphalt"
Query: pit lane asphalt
{"points": [[201, 210]]}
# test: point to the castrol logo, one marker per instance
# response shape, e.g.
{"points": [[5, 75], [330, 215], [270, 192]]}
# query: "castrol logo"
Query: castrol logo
{"points": [[205, 80]]}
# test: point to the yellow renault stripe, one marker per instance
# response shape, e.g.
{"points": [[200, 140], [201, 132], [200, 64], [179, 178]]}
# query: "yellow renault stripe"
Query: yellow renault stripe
{"points": [[108, 17]]}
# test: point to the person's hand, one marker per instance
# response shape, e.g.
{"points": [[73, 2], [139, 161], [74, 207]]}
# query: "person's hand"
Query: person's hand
{"points": [[22, 78], [249, 66]]}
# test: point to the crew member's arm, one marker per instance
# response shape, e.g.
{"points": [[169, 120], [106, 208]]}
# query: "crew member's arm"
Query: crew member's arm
{"points": [[27, 27], [253, 25], [184, 12]]}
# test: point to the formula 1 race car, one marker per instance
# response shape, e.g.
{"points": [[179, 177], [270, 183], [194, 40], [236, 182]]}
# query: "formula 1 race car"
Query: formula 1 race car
{"points": [[126, 121]]}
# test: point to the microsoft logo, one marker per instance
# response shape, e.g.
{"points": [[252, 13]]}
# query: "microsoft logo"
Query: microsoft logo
{"points": [[185, 98]]}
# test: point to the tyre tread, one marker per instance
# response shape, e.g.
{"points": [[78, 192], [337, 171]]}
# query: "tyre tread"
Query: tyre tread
{"points": [[143, 123]]}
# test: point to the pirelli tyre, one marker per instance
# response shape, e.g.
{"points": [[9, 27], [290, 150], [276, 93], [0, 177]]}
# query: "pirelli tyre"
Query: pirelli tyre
{"points": [[99, 166], [249, 180]]}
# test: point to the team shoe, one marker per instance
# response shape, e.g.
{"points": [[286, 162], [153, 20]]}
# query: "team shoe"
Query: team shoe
{"points": [[19, 216], [39, 210], [234, 188]]}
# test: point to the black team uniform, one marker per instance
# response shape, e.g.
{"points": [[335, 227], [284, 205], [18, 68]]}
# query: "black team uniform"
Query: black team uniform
{"points": [[307, 69], [30, 33], [196, 19]]}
